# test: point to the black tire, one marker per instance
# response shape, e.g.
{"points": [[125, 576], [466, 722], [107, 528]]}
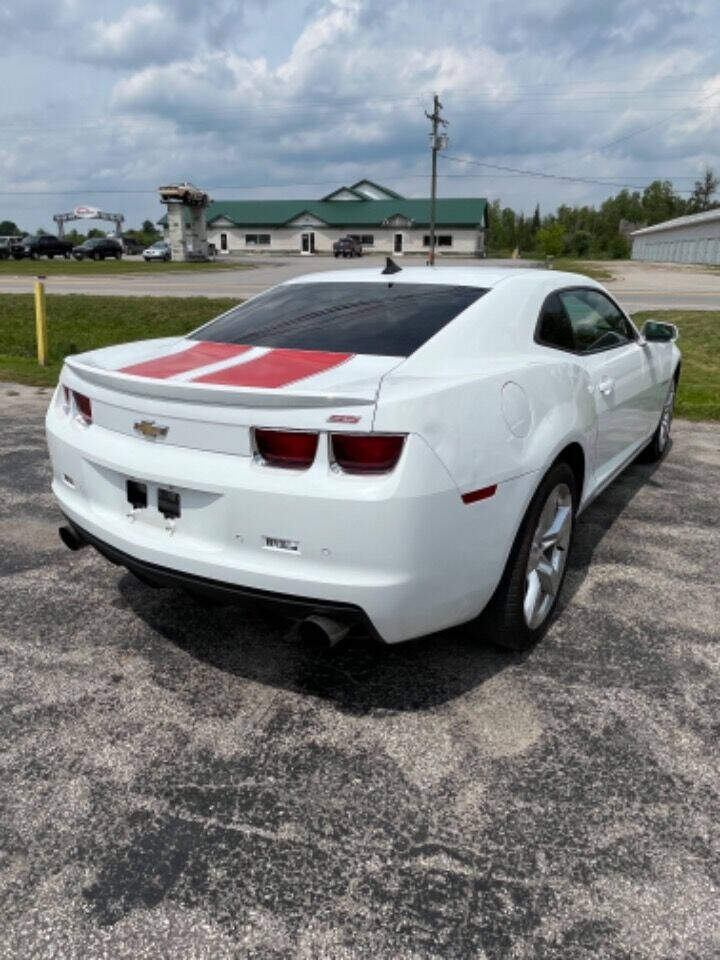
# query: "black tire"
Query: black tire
{"points": [[51, 256], [660, 442], [118, 256], [96, 256], [336, 255], [503, 621]]}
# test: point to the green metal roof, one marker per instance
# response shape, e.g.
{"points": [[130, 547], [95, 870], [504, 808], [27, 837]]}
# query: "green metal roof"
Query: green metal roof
{"points": [[453, 212]]}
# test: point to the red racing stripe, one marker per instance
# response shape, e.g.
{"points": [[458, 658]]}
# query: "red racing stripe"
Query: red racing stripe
{"points": [[198, 356], [276, 369]]}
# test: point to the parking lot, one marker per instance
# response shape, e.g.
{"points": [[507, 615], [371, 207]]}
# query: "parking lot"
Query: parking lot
{"points": [[185, 781]]}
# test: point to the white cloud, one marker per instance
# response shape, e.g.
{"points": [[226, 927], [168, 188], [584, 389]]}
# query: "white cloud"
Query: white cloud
{"points": [[142, 33], [254, 92]]}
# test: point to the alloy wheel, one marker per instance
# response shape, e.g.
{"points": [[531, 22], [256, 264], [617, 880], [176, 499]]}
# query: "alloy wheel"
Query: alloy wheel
{"points": [[666, 418], [548, 555]]}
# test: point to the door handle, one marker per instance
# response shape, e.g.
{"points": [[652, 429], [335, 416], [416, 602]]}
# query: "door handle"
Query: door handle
{"points": [[606, 387]]}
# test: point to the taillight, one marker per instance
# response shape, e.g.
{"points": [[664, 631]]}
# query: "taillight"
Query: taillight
{"points": [[286, 448], [366, 453], [83, 406]]}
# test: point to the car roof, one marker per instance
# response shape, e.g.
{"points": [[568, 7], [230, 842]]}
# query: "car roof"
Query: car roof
{"points": [[484, 277]]}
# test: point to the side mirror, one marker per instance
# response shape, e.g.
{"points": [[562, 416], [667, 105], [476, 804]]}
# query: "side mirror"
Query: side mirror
{"points": [[656, 332]]}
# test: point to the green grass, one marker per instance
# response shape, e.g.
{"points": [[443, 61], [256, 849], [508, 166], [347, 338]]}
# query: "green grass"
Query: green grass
{"points": [[77, 323], [699, 393], [83, 268]]}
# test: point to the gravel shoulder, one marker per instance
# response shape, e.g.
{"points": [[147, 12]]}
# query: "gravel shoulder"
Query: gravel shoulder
{"points": [[638, 286]]}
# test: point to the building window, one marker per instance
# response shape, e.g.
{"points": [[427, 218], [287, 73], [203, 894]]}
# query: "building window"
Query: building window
{"points": [[441, 240], [223, 241], [257, 239], [367, 240]]}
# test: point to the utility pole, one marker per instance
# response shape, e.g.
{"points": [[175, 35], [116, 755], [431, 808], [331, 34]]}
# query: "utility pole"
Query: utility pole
{"points": [[438, 141]]}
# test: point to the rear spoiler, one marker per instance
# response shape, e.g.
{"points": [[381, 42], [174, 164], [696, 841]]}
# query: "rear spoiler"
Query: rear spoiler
{"points": [[211, 393]]}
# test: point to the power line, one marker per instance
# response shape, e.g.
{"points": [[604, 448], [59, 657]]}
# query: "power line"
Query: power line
{"points": [[282, 108], [543, 174], [652, 126], [513, 174]]}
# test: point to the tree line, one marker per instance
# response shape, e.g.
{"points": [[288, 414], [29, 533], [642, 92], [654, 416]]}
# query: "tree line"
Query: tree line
{"points": [[598, 233], [147, 234]]}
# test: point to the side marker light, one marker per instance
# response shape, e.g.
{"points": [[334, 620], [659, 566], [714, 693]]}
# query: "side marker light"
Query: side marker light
{"points": [[481, 494]]}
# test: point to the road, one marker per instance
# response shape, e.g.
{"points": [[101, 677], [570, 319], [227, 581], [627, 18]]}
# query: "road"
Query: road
{"points": [[638, 286], [178, 781]]}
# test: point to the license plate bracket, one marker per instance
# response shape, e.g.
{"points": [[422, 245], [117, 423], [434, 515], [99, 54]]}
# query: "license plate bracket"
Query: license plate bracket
{"points": [[168, 503]]}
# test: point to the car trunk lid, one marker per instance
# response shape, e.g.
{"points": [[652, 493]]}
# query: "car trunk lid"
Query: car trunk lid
{"points": [[209, 396]]}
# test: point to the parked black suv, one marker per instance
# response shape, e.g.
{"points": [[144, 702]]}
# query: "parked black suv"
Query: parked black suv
{"points": [[97, 248], [43, 246], [347, 247]]}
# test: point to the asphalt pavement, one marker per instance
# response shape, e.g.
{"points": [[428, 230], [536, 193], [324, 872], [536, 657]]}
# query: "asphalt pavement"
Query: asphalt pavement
{"points": [[638, 286], [179, 780]]}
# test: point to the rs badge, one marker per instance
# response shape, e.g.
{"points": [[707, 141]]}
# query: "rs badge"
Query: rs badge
{"points": [[150, 430]]}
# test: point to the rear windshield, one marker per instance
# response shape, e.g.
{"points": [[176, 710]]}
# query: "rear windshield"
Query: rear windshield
{"points": [[388, 319]]}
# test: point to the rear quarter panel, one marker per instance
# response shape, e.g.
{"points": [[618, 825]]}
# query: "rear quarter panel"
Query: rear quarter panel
{"points": [[451, 391], [466, 420]]}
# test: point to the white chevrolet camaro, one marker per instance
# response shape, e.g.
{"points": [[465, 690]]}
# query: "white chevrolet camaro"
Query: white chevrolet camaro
{"points": [[408, 448]]}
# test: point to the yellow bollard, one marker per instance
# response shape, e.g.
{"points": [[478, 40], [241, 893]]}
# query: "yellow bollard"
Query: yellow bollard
{"points": [[41, 323]]}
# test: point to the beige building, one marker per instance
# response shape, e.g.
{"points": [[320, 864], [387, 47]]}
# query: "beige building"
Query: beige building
{"points": [[384, 222]]}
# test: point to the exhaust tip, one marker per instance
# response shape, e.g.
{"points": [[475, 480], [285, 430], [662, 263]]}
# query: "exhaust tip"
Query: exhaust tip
{"points": [[71, 540], [322, 632]]}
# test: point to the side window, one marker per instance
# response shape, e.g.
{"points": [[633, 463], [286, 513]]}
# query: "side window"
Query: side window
{"points": [[596, 322], [554, 328]]}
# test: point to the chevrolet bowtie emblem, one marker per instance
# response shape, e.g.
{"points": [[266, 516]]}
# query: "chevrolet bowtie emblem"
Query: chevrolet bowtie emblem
{"points": [[150, 429]]}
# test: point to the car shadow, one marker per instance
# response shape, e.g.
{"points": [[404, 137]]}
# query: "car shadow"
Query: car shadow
{"points": [[598, 519], [360, 675]]}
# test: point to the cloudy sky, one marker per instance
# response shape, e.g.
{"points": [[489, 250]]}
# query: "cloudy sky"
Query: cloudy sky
{"points": [[102, 101]]}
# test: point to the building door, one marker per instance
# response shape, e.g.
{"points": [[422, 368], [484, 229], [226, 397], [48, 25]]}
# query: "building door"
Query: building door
{"points": [[397, 246], [308, 243], [223, 242]]}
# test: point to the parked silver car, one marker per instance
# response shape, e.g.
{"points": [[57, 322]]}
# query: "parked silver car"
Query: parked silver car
{"points": [[158, 251], [8, 244]]}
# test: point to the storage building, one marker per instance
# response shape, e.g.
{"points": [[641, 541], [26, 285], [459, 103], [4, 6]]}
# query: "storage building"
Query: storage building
{"points": [[691, 239]]}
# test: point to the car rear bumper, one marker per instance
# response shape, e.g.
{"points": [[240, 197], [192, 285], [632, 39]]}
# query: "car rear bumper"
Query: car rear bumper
{"points": [[292, 606], [402, 549]]}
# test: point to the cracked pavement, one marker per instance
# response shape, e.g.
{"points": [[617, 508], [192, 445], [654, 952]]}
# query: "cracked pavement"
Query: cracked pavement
{"points": [[178, 780]]}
